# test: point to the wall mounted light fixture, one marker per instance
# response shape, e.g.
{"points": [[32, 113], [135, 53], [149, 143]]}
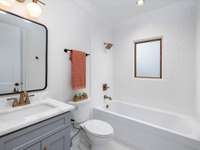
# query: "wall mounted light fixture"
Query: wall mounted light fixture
{"points": [[6, 3], [34, 9]]}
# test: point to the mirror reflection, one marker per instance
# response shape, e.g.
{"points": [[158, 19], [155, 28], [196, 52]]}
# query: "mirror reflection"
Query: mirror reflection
{"points": [[23, 50]]}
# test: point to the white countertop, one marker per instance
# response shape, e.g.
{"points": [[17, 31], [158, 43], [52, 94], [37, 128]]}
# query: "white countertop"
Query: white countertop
{"points": [[12, 119]]}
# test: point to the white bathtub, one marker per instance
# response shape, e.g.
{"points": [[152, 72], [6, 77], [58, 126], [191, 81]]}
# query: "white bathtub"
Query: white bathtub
{"points": [[151, 129]]}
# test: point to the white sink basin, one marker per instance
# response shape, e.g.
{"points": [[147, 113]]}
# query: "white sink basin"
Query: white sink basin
{"points": [[15, 118], [20, 114]]}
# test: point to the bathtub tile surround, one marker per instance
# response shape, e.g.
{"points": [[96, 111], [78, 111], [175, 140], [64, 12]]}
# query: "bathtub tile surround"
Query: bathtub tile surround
{"points": [[176, 90]]}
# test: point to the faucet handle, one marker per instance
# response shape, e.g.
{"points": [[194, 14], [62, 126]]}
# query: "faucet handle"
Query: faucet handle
{"points": [[105, 87], [11, 99], [32, 95], [15, 101], [107, 97], [27, 100]]}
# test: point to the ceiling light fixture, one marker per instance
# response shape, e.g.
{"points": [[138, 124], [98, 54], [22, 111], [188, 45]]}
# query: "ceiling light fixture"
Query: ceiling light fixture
{"points": [[140, 3]]}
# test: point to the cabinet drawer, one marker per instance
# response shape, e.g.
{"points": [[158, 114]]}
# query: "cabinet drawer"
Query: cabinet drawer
{"points": [[35, 132]]}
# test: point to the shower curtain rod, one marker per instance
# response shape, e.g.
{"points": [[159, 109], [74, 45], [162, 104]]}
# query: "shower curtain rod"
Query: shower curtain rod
{"points": [[69, 50]]}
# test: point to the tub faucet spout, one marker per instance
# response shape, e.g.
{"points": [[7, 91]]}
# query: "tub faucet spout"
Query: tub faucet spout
{"points": [[107, 97]]}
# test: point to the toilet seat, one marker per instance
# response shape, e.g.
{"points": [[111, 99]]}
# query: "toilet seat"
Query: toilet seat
{"points": [[98, 128]]}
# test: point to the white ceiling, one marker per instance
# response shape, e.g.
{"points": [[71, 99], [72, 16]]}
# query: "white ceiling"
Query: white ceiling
{"points": [[118, 10]]}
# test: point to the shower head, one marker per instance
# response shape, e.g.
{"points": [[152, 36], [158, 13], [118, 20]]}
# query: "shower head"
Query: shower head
{"points": [[108, 45]]}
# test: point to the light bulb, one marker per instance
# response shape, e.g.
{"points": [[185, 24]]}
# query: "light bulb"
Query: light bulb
{"points": [[140, 3], [34, 9], [6, 3]]}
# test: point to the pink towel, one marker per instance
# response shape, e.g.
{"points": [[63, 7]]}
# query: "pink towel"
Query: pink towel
{"points": [[78, 69]]}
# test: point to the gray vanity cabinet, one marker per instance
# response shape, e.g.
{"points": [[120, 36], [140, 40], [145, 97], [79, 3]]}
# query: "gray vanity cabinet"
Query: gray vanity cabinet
{"points": [[51, 134], [59, 141], [34, 147], [28, 147]]}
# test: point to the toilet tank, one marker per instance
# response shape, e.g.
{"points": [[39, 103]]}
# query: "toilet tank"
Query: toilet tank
{"points": [[82, 110]]}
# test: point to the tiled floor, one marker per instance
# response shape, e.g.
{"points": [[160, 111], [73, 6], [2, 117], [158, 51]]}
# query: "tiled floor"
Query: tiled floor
{"points": [[114, 146]]}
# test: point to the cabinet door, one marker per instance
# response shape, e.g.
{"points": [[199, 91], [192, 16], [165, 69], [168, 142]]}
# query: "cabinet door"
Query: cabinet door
{"points": [[58, 141], [33, 147], [30, 147]]}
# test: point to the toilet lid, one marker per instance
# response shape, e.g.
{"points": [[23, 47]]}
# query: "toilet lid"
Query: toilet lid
{"points": [[99, 128]]}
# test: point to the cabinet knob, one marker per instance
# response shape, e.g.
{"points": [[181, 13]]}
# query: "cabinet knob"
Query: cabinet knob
{"points": [[45, 147]]}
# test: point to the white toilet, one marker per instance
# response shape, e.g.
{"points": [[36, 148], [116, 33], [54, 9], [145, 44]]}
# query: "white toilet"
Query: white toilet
{"points": [[97, 133]]}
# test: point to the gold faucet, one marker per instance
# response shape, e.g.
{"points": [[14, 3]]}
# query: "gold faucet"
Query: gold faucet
{"points": [[23, 99]]}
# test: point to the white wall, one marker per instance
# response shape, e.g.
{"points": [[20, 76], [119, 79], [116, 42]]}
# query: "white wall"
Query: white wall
{"points": [[101, 64], [176, 91], [198, 61], [70, 26]]}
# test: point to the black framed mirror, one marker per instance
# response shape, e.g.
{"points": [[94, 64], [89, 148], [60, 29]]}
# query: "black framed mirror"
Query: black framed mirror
{"points": [[23, 54]]}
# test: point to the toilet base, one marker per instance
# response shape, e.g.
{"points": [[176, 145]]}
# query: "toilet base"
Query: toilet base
{"points": [[105, 146], [86, 144]]}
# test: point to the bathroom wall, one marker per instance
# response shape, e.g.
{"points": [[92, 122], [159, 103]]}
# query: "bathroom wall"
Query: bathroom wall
{"points": [[176, 91], [198, 61], [102, 64], [70, 26]]}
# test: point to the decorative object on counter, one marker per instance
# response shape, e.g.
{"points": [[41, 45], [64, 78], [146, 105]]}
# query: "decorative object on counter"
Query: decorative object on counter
{"points": [[84, 96], [105, 87], [80, 96]]}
